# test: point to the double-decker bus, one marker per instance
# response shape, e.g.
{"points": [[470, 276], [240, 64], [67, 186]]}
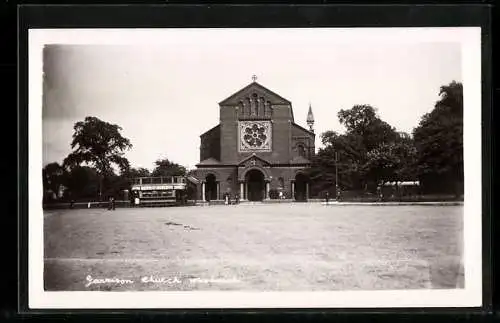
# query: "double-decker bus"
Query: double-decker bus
{"points": [[151, 191]]}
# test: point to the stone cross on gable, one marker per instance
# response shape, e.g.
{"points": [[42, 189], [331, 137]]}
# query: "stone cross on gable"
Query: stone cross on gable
{"points": [[254, 77]]}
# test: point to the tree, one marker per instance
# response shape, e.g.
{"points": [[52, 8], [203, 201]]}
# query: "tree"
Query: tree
{"points": [[394, 161], [138, 172], [439, 142], [165, 168], [360, 150], [363, 121], [98, 144], [82, 182], [407, 152], [382, 163], [349, 150], [114, 185]]}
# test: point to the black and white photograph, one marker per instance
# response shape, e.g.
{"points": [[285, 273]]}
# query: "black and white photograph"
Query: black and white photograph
{"points": [[255, 168]]}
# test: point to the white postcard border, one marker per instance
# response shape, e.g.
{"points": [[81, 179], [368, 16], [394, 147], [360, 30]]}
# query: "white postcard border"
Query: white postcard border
{"points": [[470, 296]]}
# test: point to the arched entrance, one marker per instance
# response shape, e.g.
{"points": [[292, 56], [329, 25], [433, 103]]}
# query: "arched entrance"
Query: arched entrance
{"points": [[210, 187], [255, 185], [301, 187]]}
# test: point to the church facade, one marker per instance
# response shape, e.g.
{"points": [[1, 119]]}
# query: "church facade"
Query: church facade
{"points": [[256, 149]]}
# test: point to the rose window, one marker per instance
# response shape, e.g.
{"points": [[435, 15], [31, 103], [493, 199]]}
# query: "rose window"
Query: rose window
{"points": [[255, 135]]}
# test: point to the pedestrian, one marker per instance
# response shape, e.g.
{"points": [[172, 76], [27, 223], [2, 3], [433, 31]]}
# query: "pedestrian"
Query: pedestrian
{"points": [[380, 194], [327, 196], [113, 203]]}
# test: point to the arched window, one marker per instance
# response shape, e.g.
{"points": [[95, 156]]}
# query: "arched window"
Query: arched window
{"points": [[241, 108], [301, 150]]}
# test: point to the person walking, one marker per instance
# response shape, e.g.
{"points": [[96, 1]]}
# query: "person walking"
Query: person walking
{"points": [[111, 203], [379, 193]]}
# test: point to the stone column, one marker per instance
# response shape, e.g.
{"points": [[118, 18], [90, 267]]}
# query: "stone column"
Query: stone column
{"points": [[268, 109], [293, 191], [203, 191], [267, 191], [218, 190], [242, 191]]}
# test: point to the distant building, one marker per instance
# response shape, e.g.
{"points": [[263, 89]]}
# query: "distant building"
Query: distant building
{"points": [[256, 147]]}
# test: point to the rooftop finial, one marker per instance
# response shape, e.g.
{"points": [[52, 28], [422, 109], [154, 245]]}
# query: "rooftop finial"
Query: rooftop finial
{"points": [[254, 77], [310, 118]]}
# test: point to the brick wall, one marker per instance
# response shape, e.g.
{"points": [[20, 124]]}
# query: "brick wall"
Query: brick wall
{"points": [[305, 138], [229, 135], [210, 144], [281, 134]]}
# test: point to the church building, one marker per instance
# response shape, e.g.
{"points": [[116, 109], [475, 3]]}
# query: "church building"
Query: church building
{"points": [[257, 148]]}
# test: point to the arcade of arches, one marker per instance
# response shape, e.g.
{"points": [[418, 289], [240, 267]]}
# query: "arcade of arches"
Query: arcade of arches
{"points": [[256, 187]]}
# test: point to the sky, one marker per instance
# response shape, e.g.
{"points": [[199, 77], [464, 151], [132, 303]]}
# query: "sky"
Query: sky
{"points": [[164, 92]]}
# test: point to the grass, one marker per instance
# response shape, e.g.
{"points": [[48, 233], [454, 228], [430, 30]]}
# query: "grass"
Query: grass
{"points": [[270, 247]]}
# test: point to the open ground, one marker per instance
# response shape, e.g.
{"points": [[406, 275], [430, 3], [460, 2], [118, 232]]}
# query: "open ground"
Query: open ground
{"points": [[268, 247]]}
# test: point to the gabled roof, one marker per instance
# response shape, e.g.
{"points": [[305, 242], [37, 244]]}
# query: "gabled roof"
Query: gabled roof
{"points": [[212, 129], [256, 86], [304, 129], [209, 161], [253, 156]]}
